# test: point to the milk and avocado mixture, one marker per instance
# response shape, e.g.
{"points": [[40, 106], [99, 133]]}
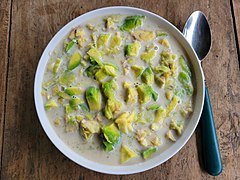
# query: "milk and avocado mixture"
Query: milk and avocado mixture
{"points": [[118, 89]]}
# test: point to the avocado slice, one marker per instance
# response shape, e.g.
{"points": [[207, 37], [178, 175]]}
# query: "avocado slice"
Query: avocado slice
{"points": [[111, 136], [93, 97], [131, 22], [132, 49], [148, 152], [147, 76], [102, 40], [126, 154], [50, 104], [66, 78], [137, 70], [74, 61], [73, 91]]}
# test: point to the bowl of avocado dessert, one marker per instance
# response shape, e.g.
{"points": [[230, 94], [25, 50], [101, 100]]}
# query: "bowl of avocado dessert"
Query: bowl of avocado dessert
{"points": [[119, 90]]}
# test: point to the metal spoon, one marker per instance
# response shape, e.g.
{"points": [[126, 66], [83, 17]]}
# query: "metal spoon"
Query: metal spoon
{"points": [[198, 34]]}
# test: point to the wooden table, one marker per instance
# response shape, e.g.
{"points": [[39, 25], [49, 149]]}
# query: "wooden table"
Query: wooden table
{"points": [[25, 29]]}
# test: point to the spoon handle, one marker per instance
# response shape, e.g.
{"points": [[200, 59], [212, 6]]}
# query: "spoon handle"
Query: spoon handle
{"points": [[211, 154]]}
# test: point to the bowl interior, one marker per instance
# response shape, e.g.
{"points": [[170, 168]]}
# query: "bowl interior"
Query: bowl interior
{"points": [[157, 160]]}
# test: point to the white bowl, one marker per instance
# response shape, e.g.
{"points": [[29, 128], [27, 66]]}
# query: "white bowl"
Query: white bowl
{"points": [[155, 161]]}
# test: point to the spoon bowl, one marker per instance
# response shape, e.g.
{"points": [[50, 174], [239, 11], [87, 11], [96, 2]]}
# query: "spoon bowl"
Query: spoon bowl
{"points": [[198, 34]]}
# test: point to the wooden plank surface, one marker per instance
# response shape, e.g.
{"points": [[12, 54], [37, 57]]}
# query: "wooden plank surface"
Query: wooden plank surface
{"points": [[5, 6], [27, 152], [236, 12]]}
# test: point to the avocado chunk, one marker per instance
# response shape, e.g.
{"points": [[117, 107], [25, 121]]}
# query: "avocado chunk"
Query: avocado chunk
{"points": [[124, 122], [167, 56], [93, 97], [147, 76], [174, 102], [153, 107], [170, 136], [186, 82], [184, 65], [126, 154], [50, 104], [75, 101], [70, 44], [148, 56], [112, 107], [143, 35], [148, 152], [109, 22], [71, 124], [106, 70], [68, 109], [56, 65], [131, 95], [111, 136], [63, 95], [91, 70], [164, 42], [95, 56], [144, 93], [102, 40], [160, 115], [74, 61], [67, 78], [131, 22], [161, 34], [73, 91], [132, 49], [137, 70], [108, 88], [115, 41], [178, 127], [89, 128]]}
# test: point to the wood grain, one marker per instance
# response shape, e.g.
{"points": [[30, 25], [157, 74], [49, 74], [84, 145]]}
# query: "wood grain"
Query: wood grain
{"points": [[5, 6], [27, 152]]}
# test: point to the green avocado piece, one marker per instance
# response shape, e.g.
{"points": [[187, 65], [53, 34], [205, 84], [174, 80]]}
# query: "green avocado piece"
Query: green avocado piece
{"points": [[91, 70], [132, 49], [126, 154], [73, 91], [63, 95], [148, 152], [144, 93], [56, 65], [184, 65], [50, 104], [74, 61], [70, 44], [111, 136], [95, 56], [153, 107], [174, 102], [131, 22], [75, 102], [147, 76], [112, 107], [108, 88], [148, 56], [137, 70], [66, 78], [102, 40], [115, 41], [93, 97], [68, 109]]}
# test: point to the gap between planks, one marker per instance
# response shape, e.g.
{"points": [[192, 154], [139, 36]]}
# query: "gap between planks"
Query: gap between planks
{"points": [[6, 80], [235, 31]]}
